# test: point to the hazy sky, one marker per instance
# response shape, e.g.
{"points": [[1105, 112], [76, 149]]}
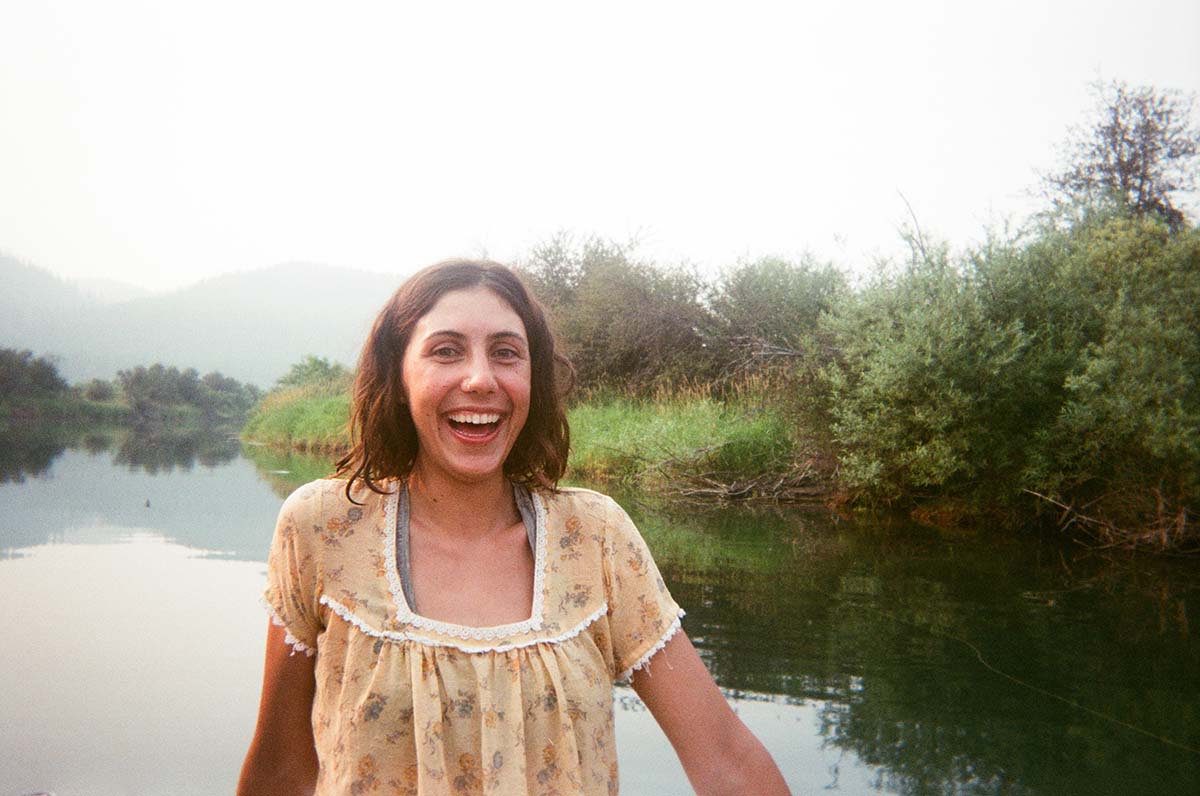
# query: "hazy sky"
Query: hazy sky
{"points": [[158, 143]]}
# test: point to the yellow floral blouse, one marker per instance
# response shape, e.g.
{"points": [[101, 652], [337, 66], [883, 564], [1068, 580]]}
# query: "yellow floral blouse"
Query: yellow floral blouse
{"points": [[406, 705]]}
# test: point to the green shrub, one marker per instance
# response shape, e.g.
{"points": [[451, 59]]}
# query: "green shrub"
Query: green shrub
{"points": [[623, 321], [673, 439], [1065, 365], [304, 418], [775, 302]]}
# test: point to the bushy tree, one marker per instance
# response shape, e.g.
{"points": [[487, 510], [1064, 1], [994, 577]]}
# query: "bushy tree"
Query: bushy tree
{"points": [[99, 390], [625, 323], [152, 391], [920, 371], [22, 375], [1139, 151], [775, 300], [1065, 365], [314, 371], [767, 313], [1124, 448]]}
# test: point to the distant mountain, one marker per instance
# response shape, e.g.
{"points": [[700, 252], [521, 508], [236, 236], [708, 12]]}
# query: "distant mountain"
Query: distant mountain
{"points": [[110, 291], [252, 326]]}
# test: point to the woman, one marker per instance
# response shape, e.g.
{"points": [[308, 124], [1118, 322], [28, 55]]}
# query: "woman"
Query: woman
{"points": [[467, 617]]}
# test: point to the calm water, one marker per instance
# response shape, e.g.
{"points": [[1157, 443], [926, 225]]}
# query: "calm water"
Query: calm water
{"points": [[869, 659]]}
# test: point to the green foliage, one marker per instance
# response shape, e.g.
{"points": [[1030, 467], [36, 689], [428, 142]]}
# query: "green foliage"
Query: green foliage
{"points": [[158, 392], [22, 375], [775, 302], [1127, 439], [921, 370], [99, 390], [658, 443], [1066, 365], [316, 372], [301, 418], [309, 409], [622, 321]]}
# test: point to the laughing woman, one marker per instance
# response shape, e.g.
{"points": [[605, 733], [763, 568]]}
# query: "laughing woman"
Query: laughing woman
{"points": [[446, 620]]}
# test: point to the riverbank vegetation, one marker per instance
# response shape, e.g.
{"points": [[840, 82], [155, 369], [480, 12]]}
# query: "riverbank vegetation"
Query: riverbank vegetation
{"points": [[693, 442], [32, 391], [307, 410], [1047, 375]]}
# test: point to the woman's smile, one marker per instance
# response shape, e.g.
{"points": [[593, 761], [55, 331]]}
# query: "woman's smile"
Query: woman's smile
{"points": [[475, 427]]}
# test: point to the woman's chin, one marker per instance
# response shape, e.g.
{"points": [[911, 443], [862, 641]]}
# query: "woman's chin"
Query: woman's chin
{"points": [[465, 470]]}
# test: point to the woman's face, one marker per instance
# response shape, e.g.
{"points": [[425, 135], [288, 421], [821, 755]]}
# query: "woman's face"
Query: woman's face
{"points": [[467, 379]]}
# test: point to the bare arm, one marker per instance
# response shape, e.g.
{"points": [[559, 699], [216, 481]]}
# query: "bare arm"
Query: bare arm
{"points": [[282, 760], [720, 755]]}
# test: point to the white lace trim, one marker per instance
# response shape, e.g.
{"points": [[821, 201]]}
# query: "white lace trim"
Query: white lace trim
{"points": [[392, 635], [296, 644], [405, 615], [662, 642]]}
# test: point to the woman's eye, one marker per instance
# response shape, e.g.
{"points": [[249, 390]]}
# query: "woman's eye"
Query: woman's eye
{"points": [[507, 353], [444, 351]]}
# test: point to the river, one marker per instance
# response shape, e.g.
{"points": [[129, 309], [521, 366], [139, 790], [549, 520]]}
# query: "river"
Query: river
{"points": [[870, 656]]}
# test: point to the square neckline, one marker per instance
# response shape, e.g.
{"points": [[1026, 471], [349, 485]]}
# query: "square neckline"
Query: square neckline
{"points": [[405, 615]]}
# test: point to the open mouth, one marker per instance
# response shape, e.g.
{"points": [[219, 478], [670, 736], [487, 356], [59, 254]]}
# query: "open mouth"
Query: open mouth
{"points": [[474, 425]]}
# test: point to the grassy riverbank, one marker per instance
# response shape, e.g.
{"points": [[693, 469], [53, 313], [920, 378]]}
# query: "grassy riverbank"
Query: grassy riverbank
{"points": [[67, 409], [301, 418], [686, 444], [692, 445], [1046, 379]]}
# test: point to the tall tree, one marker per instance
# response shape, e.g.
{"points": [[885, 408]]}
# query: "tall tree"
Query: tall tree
{"points": [[1140, 150]]}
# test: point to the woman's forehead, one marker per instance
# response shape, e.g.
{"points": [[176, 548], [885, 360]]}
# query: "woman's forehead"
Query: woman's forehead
{"points": [[471, 311]]}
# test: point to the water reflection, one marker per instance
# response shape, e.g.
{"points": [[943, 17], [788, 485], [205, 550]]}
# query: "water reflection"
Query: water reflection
{"points": [[98, 488], [968, 664], [285, 471], [26, 453], [872, 657], [163, 452], [29, 451]]}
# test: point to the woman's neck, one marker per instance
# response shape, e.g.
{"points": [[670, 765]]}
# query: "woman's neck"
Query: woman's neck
{"points": [[454, 508]]}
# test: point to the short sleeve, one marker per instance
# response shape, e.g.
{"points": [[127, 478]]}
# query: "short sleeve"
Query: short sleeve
{"points": [[292, 578], [642, 614]]}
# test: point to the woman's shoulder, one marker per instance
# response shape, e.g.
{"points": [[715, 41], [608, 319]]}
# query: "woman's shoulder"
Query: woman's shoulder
{"points": [[329, 496], [570, 500], [335, 488], [575, 508]]}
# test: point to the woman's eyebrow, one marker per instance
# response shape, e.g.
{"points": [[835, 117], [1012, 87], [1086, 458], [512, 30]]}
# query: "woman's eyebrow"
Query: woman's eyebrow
{"points": [[506, 335], [456, 335]]}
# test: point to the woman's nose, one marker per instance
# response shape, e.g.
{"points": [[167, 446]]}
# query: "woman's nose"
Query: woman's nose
{"points": [[479, 376]]}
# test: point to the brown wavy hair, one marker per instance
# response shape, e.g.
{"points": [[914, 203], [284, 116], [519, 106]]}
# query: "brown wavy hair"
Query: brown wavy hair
{"points": [[383, 437]]}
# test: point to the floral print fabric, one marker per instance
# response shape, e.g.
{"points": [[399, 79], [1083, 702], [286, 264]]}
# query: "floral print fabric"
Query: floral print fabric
{"points": [[408, 706]]}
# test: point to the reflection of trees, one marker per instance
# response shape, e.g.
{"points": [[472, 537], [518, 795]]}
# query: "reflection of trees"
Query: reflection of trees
{"points": [[882, 628], [26, 453], [30, 451], [162, 451], [96, 442], [285, 471]]}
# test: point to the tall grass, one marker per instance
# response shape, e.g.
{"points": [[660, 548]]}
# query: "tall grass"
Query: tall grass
{"points": [[679, 440], [305, 418], [679, 437]]}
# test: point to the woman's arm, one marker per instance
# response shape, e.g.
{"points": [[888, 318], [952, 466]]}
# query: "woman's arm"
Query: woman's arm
{"points": [[720, 755], [282, 760]]}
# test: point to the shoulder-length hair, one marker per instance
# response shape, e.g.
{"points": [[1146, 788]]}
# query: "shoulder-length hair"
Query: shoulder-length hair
{"points": [[383, 437]]}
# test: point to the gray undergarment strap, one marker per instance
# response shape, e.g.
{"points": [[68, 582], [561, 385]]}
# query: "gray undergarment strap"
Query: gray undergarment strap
{"points": [[404, 563]]}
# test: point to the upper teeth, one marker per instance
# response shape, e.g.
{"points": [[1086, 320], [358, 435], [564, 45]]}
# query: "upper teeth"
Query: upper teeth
{"points": [[468, 417]]}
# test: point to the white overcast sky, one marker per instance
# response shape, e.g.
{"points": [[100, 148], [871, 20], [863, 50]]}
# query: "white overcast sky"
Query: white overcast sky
{"points": [[158, 143]]}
